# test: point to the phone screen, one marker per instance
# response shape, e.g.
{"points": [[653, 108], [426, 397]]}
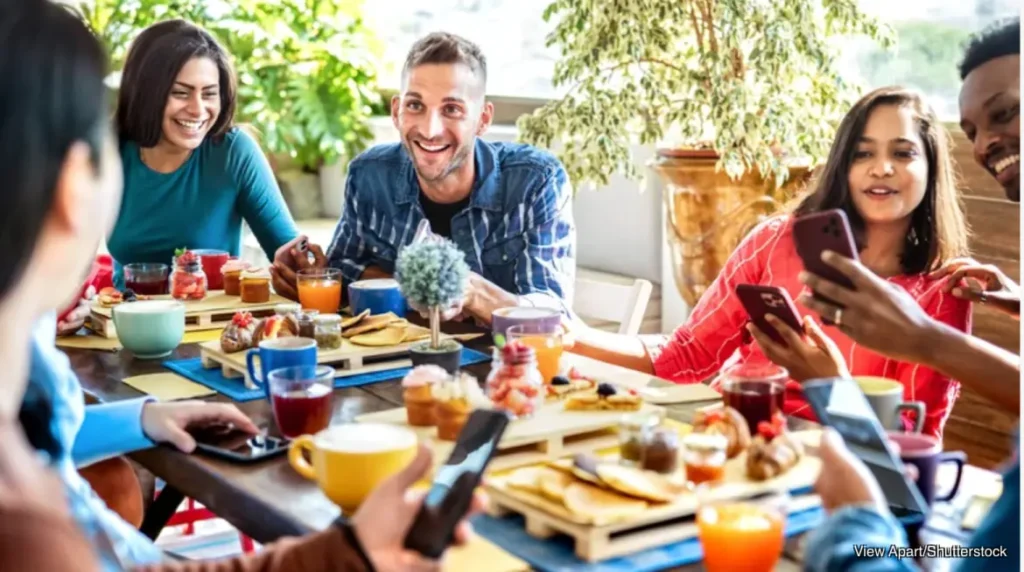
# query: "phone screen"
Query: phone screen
{"points": [[452, 489], [840, 403], [237, 444]]}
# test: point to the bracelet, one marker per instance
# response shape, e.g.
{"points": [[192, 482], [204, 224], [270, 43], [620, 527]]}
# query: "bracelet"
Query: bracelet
{"points": [[350, 536]]}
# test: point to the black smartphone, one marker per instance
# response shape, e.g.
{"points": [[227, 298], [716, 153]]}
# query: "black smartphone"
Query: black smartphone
{"points": [[238, 446], [839, 403], [451, 492]]}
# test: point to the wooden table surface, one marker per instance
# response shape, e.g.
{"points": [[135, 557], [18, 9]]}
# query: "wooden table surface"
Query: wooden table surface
{"points": [[269, 500]]}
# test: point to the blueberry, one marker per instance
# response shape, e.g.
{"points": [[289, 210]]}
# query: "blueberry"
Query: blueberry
{"points": [[559, 380], [129, 295], [605, 389]]}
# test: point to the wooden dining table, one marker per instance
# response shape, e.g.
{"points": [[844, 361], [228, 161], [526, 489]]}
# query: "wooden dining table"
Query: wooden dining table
{"points": [[268, 500]]}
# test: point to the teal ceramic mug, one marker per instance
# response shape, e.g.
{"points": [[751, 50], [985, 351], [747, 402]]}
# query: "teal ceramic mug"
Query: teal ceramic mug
{"points": [[150, 329]]}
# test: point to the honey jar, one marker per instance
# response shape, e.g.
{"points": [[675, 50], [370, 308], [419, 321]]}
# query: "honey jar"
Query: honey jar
{"points": [[232, 273], [255, 286], [704, 457], [634, 433], [661, 454]]}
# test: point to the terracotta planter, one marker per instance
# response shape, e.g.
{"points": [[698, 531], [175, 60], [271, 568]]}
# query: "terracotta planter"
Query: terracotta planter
{"points": [[709, 213]]}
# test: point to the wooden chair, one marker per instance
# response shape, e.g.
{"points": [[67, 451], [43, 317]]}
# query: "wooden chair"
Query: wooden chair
{"points": [[598, 300]]}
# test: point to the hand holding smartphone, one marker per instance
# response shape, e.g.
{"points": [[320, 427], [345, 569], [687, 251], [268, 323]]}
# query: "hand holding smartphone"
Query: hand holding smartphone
{"points": [[818, 232]]}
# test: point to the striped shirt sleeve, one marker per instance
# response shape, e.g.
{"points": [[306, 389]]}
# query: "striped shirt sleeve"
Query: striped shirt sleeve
{"points": [[546, 270], [348, 251]]}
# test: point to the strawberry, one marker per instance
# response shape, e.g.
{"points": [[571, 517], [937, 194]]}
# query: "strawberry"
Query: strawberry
{"points": [[574, 373], [517, 402], [500, 394], [530, 391], [633, 392], [768, 430], [714, 416]]}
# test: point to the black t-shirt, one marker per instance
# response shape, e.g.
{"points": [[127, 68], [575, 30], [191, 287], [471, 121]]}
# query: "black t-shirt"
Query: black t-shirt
{"points": [[439, 215]]}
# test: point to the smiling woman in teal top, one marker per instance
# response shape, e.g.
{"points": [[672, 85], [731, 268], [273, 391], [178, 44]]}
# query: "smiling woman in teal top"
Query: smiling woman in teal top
{"points": [[190, 176]]}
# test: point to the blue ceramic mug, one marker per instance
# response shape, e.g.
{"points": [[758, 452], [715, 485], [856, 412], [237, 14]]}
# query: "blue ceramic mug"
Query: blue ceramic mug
{"points": [[279, 353], [378, 295]]}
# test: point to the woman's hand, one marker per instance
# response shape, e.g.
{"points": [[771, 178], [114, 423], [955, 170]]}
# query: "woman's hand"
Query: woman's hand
{"points": [[817, 359], [385, 517], [982, 283], [167, 422], [877, 315]]}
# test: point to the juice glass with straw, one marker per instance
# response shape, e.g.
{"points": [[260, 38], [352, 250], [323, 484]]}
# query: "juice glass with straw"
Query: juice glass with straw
{"points": [[320, 289], [546, 340], [741, 533]]}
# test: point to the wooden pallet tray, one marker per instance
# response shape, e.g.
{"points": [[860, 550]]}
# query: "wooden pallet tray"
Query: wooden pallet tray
{"points": [[550, 434], [211, 313], [657, 526]]}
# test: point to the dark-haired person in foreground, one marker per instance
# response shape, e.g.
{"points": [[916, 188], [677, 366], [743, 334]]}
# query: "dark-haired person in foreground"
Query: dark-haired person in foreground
{"points": [[887, 320], [506, 206], [62, 187]]}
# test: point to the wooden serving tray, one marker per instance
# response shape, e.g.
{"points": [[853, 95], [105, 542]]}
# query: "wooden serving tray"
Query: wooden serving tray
{"points": [[659, 525], [550, 434], [211, 313]]}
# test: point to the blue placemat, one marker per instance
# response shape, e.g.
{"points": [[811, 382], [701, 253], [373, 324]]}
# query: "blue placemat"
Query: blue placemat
{"points": [[235, 387], [557, 553]]}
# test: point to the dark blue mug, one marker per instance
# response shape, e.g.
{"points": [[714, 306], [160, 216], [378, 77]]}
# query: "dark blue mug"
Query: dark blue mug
{"points": [[378, 295], [279, 353]]}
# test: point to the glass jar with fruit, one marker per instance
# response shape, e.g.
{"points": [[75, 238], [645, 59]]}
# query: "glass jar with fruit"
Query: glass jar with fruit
{"points": [[515, 384], [188, 281]]}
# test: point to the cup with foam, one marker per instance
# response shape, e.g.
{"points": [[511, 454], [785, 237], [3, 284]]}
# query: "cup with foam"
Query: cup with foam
{"points": [[150, 329]]}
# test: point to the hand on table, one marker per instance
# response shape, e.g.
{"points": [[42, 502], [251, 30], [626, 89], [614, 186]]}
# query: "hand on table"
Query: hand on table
{"points": [[982, 283], [288, 261], [168, 422], [814, 357], [385, 517], [76, 318], [847, 481], [878, 315]]}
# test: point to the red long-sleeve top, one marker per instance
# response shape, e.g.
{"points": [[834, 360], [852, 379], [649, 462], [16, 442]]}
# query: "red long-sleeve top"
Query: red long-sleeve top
{"points": [[767, 256]]}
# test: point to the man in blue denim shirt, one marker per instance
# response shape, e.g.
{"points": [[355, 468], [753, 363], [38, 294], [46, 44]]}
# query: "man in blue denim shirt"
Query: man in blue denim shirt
{"points": [[506, 206], [881, 318]]}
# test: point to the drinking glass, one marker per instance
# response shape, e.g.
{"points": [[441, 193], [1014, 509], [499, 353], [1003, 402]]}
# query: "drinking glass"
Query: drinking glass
{"points": [[546, 340], [740, 532], [147, 278], [320, 289], [301, 399], [756, 391]]}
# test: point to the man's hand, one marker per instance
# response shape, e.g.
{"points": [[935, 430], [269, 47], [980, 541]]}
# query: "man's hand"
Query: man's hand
{"points": [[289, 260], [817, 359], [76, 318], [168, 422], [982, 283], [844, 479], [385, 517]]}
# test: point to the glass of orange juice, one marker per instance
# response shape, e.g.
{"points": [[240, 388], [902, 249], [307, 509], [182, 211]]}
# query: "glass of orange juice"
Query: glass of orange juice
{"points": [[320, 289], [741, 533], [546, 341]]}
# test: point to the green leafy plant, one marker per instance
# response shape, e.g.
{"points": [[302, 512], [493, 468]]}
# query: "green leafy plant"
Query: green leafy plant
{"points": [[755, 80], [306, 68], [432, 276]]}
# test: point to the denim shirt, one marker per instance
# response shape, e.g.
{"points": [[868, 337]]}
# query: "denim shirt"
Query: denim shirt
{"points": [[90, 434], [518, 230], [830, 547]]}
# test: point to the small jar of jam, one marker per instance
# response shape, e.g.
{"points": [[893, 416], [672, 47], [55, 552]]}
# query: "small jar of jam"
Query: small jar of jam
{"points": [[661, 454], [232, 273], [307, 323], [288, 308], [187, 281], [255, 286], [328, 331], [704, 457], [634, 433], [515, 385]]}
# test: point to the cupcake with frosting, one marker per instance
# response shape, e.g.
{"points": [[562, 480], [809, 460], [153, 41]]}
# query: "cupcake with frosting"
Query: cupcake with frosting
{"points": [[418, 395], [455, 399]]}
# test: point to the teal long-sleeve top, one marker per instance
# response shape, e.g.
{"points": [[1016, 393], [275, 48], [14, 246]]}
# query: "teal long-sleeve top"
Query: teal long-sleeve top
{"points": [[199, 205]]}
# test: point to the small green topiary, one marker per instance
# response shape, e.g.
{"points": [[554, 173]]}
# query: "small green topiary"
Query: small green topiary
{"points": [[433, 276]]}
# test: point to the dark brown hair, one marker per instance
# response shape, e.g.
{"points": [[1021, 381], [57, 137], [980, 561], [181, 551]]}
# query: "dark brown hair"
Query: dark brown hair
{"points": [[445, 48], [938, 229], [154, 61]]}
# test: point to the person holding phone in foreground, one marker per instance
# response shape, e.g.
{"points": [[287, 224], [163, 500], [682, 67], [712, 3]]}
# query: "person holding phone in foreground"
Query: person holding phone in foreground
{"points": [[887, 320]]}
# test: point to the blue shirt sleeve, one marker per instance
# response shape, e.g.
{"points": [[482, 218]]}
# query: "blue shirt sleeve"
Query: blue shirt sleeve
{"points": [[109, 430], [999, 529], [348, 251], [545, 271], [842, 542], [259, 198]]}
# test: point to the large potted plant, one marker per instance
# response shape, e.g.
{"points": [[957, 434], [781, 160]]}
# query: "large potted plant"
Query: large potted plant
{"points": [[741, 97], [433, 276]]}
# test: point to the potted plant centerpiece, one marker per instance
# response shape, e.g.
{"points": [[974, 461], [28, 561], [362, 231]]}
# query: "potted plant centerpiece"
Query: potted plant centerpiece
{"points": [[433, 277], [742, 97]]}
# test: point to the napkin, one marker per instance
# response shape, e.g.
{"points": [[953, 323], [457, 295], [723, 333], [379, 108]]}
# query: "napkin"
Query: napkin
{"points": [[168, 386]]}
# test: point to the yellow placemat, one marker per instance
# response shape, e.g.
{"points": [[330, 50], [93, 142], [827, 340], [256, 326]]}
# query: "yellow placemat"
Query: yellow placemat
{"points": [[86, 340], [481, 554], [168, 386], [201, 336]]}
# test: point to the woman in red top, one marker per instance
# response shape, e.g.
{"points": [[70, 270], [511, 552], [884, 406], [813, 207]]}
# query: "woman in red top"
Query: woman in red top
{"points": [[889, 169]]}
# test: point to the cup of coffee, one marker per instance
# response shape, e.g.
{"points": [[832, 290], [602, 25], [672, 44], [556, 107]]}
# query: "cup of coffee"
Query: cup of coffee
{"points": [[378, 295], [301, 399], [349, 461], [926, 454], [276, 354], [886, 399], [150, 329]]}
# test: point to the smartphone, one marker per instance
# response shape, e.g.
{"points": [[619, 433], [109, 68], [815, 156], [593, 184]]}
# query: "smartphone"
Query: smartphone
{"points": [[451, 492], [839, 403], [818, 232], [759, 301], [238, 446]]}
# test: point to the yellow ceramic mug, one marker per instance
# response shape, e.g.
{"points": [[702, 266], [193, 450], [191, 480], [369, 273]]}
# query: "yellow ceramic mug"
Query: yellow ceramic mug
{"points": [[886, 399], [350, 460]]}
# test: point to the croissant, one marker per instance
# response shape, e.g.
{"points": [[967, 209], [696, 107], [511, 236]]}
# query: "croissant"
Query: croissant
{"points": [[726, 422], [238, 335], [273, 327], [768, 459]]}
